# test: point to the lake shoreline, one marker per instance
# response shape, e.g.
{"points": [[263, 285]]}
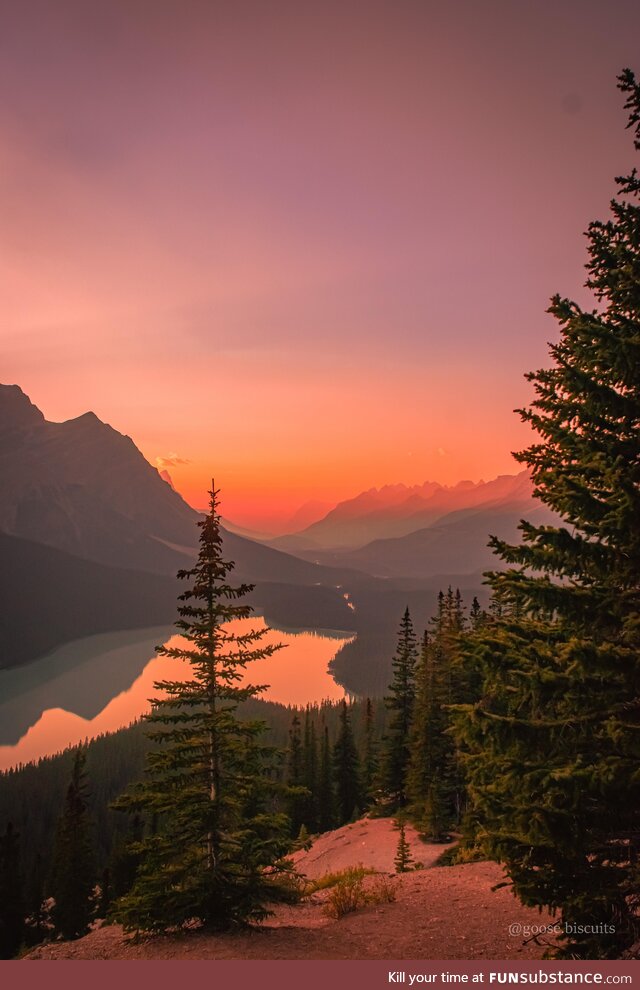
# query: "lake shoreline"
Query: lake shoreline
{"points": [[102, 683]]}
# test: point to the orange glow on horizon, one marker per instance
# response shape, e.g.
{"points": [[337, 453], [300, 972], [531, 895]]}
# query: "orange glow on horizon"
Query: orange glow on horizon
{"points": [[297, 439], [316, 281]]}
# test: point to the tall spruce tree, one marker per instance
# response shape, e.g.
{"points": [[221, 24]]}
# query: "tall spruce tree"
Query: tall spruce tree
{"points": [[295, 777], [460, 687], [369, 755], [326, 797], [126, 858], [435, 783], [429, 784], [310, 764], [12, 901], [476, 614], [72, 879], [346, 770], [553, 744], [219, 839], [400, 702]]}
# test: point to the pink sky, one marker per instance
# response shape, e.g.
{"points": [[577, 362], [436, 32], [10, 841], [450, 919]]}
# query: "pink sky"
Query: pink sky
{"points": [[304, 247]]}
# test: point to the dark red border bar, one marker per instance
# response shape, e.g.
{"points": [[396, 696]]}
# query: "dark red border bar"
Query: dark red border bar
{"points": [[312, 975]]}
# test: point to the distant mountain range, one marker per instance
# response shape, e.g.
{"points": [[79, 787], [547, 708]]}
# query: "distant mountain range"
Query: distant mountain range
{"points": [[91, 537], [416, 533], [455, 544], [397, 510]]}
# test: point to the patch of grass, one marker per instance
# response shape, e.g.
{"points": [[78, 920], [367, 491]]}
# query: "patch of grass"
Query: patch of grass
{"points": [[348, 893], [382, 891], [331, 879]]}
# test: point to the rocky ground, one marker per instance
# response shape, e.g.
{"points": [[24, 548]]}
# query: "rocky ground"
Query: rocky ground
{"points": [[438, 913]]}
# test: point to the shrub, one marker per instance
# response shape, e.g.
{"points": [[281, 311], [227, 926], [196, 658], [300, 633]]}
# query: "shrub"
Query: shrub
{"points": [[382, 891], [331, 879], [348, 893]]}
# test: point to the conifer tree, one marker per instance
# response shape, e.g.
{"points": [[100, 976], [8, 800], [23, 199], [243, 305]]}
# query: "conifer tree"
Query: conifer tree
{"points": [[106, 893], [326, 798], [369, 755], [346, 768], [459, 686], [295, 776], [429, 783], [219, 839], [12, 907], [126, 858], [400, 703], [310, 763], [303, 840], [553, 743], [475, 613], [294, 752], [72, 879], [403, 861]]}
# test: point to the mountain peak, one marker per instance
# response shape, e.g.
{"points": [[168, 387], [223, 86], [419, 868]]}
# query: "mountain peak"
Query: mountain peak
{"points": [[17, 411], [87, 420], [83, 487]]}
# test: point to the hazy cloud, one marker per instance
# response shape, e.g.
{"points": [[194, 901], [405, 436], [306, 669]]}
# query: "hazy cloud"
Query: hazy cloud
{"points": [[171, 460]]}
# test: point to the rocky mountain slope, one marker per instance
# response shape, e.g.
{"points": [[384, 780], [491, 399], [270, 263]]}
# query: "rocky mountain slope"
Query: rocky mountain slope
{"points": [[50, 597], [84, 488]]}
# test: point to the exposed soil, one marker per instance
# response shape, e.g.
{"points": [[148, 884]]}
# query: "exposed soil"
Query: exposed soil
{"points": [[439, 913], [370, 842]]}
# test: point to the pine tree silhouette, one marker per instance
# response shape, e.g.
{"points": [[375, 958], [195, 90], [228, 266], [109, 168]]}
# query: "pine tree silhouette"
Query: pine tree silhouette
{"points": [[73, 863], [219, 839], [553, 741]]}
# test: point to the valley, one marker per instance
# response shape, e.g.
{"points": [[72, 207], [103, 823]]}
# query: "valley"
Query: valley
{"points": [[94, 532]]}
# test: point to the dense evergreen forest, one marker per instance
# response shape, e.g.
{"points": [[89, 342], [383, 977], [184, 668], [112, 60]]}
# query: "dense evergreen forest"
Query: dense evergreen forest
{"points": [[336, 761], [32, 797]]}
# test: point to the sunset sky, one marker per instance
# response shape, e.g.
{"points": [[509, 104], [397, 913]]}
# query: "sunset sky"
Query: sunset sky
{"points": [[306, 247]]}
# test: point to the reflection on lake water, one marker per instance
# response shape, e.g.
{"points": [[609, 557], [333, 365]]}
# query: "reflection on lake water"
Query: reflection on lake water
{"points": [[103, 683]]}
